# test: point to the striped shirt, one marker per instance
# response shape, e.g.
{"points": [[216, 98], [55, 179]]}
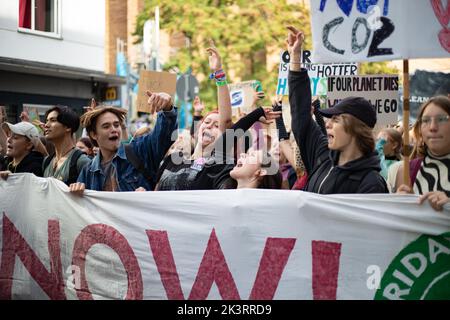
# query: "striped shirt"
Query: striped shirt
{"points": [[434, 175]]}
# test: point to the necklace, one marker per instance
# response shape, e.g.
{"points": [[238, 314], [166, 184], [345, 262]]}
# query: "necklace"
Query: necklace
{"points": [[56, 160], [11, 167]]}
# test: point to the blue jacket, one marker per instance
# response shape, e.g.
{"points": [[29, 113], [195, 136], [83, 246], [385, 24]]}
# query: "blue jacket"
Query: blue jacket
{"points": [[150, 148]]}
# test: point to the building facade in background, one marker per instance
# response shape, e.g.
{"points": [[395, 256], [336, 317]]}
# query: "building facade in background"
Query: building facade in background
{"points": [[53, 52]]}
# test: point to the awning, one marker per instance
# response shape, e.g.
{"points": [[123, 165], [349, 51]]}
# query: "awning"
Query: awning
{"points": [[58, 71]]}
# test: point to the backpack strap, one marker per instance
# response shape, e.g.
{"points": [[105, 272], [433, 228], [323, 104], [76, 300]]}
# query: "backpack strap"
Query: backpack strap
{"points": [[73, 168], [136, 161], [414, 167], [47, 161]]}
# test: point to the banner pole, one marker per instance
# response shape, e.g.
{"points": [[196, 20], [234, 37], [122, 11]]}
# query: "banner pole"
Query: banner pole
{"points": [[406, 151]]}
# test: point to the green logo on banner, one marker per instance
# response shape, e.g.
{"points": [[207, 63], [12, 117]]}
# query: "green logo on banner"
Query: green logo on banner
{"points": [[421, 271]]}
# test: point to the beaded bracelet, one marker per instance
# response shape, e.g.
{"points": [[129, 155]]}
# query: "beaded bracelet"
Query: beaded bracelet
{"points": [[218, 75], [221, 83]]}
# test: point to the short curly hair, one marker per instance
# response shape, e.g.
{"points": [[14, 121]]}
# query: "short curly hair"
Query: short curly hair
{"points": [[89, 119]]}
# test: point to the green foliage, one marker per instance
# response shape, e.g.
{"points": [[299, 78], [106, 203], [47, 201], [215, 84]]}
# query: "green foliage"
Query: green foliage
{"points": [[243, 31], [377, 68]]}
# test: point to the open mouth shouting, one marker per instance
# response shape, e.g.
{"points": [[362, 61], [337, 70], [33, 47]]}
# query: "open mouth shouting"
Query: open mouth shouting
{"points": [[207, 136], [114, 138]]}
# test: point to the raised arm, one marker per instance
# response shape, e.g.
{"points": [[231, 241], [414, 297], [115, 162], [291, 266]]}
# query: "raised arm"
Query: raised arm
{"points": [[223, 93], [198, 108], [310, 139], [227, 141], [283, 135], [153, 146]]}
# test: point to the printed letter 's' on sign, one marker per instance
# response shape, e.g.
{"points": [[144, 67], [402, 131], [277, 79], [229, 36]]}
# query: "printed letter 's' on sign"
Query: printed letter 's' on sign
{"points": [[360, 30]]}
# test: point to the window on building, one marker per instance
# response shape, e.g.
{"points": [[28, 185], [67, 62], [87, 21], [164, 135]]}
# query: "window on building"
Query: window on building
{"points": [[40, 17]]}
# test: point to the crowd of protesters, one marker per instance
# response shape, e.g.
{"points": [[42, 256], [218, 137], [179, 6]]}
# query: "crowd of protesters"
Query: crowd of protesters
{"points": [[338, 154]]}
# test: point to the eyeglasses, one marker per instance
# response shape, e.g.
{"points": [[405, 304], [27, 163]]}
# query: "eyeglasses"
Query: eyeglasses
{"points": [[440, 119]]}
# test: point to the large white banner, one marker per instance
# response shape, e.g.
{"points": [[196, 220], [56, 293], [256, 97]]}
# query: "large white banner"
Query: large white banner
{"points": [[232, 244], [376, 30]]}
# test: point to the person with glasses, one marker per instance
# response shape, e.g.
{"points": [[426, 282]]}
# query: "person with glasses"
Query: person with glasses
{"points": [[430, 173]]}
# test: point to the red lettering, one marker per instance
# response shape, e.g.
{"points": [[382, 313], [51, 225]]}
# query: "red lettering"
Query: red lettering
{"points": [[14, 244], [103, 234], [443, 16], [214, 268], [275, 256], [162, 253], [325, 256]]}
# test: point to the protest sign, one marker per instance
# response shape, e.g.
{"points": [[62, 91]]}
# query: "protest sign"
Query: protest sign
{"points": [[155, 82], [422, 86], [241, 95], [33, 115], [360, 30], [317, 73], [380, 90], [210, 244]]}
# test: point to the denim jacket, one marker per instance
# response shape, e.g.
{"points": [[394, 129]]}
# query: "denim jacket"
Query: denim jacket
{"points": [[150, 148]]}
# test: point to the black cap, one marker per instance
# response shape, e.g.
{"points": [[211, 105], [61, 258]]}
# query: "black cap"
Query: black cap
{"points": [[358, 107]]}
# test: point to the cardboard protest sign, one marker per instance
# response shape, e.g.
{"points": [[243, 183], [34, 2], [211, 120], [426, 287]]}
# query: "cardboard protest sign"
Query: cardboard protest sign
{"points": [[155, 82], [380, 90], [317, 72], [360, 30], [241, 95], [218, 244]]}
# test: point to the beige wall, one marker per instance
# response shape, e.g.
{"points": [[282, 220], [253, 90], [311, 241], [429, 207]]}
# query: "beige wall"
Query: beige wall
{"points": [[135, 7]]}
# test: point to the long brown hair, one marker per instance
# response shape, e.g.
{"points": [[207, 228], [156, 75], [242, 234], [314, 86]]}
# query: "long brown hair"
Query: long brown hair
{"points": [[362, 132]]}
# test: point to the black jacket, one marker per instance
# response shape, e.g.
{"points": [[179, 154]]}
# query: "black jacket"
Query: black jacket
{"points": [[325, 176], [32, 163]]}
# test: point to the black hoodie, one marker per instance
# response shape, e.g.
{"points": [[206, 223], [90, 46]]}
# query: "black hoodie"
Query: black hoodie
{"points": [[32, 163], [325, 176]]}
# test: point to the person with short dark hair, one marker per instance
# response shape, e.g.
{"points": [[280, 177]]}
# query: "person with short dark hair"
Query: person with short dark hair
{"points": [[344, 160], [67, 161]]}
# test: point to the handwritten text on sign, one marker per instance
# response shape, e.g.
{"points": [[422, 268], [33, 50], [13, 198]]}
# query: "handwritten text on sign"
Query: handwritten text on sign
{"points": [[376, 30], [381, 91], [318, 73]]}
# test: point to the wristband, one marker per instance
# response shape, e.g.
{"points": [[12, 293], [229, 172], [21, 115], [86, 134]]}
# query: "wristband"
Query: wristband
{"points": [[218, 75], [221, 83]]}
